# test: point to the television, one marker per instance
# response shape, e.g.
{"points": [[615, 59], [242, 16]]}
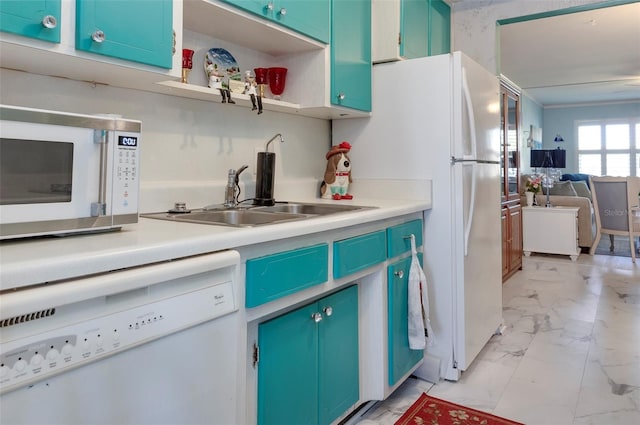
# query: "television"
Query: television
{"points": [[537, 157], [548, 158], [559, 157]]}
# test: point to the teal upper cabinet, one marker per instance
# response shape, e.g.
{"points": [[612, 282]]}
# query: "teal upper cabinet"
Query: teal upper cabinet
{"points": [[351, 54], [308, 17], [414, 24], [406, 29], [135, 30], [439, 27], [38, 19]]}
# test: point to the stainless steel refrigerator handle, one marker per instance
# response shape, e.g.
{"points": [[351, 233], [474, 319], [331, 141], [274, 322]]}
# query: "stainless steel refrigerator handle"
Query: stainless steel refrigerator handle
{"points": [[466, 94], [100, 208], [455, 160]]}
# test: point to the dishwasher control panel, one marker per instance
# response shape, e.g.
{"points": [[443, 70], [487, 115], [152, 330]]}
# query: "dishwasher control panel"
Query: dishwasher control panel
{"points": [[34, 358]]}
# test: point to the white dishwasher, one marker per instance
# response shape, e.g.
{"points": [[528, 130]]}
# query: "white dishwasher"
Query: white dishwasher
{"points": [[156, 344]]}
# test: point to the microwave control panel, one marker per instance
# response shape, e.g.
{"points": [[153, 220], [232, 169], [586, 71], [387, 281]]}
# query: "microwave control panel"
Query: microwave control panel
{"points": [[126, 181]]}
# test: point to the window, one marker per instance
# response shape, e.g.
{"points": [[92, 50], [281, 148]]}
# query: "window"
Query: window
{"points": [[609, 147]]}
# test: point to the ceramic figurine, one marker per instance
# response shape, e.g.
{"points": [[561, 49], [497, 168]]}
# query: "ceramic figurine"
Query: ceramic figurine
{"points": [[217, 81], [250, 89], [338, 173]]}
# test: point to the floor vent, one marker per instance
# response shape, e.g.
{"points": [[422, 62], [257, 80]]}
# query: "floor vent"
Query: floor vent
{"points": [[11, 321]]}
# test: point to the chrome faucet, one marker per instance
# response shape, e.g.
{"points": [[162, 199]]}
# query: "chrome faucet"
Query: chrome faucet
{"points": [[232, 190], [266, 146]]}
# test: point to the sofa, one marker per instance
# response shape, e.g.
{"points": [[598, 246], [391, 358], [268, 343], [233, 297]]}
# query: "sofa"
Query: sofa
{"points": [[569, 192]]}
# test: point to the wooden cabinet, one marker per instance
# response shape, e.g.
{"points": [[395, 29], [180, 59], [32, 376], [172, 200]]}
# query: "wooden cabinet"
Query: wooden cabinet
{"points": [[313, 377], [351, 54], [39, 19], [510, 141], [406, 29], [511, 239], [510, 178], [135, 30], [311, 18]]}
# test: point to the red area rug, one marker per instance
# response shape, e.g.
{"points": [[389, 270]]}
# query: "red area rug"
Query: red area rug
{"points": [[433, 411]]}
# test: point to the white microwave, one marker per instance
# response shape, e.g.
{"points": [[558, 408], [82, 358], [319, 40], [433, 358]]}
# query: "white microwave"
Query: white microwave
{"points": [[64, 173]]}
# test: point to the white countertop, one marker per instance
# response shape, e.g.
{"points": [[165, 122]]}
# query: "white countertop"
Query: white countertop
{"points": [[35, 261]]}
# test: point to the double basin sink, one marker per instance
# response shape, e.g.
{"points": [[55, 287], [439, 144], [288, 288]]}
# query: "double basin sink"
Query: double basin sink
{"points": [[254, 215]]}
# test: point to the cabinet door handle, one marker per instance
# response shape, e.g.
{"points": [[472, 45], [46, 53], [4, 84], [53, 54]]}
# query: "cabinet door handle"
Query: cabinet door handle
{"points": [[269, 6], [49, 21], [328, 311], [282, 12], [98, 36], [341, 96], [399, 274], [317, 317]]}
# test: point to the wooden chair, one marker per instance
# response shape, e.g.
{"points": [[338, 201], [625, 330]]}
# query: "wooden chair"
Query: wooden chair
{"points": [[615, 201]]}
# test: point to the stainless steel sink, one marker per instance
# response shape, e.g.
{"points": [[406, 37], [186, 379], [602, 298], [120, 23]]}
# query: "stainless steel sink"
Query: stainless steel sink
{"points": [[229, 217], [254, 216], [313, 209]]}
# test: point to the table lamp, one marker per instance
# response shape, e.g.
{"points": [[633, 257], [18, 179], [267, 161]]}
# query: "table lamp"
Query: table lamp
{"points": [[551, 160]]}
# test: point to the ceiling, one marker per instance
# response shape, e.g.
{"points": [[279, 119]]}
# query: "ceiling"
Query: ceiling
{"points": [[583, 57]]}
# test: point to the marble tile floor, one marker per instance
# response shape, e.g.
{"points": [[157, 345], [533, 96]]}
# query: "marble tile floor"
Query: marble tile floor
{"points": [[570, 353]]}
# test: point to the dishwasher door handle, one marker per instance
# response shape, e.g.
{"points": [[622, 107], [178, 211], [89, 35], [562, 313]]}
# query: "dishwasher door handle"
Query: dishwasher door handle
{"points": [[57, 294]]}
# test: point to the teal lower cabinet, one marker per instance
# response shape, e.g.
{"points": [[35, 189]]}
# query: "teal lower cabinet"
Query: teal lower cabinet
{"points": [[284, 273], [358, 253], [308, 368], [401, 357]]}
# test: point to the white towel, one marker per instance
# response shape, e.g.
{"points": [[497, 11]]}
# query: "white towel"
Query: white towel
{"points": [[420, 332]]}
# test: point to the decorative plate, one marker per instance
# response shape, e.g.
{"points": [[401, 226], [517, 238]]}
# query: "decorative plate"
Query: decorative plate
{"points": [[221, 61]]}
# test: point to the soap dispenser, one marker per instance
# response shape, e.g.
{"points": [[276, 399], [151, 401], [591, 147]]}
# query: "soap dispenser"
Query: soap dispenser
{"points": [[265, 173]]}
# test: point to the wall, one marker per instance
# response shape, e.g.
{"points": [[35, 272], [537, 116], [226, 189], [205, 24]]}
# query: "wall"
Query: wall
{"points": [[187, 142], [562, 120], [532, 115], [474, 24], [474, 32]]}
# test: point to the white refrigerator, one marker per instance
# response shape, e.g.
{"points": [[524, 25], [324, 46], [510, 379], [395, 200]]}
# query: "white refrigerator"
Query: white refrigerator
{"points": [[437, 118]]}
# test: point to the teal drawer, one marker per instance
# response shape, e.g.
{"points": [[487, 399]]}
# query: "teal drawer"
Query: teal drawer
{"points": [[397, 237], [278, 275], [358, 253]]}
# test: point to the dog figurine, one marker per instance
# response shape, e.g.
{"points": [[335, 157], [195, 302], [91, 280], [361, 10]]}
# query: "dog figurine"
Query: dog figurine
{"points": [[338, 173]]}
